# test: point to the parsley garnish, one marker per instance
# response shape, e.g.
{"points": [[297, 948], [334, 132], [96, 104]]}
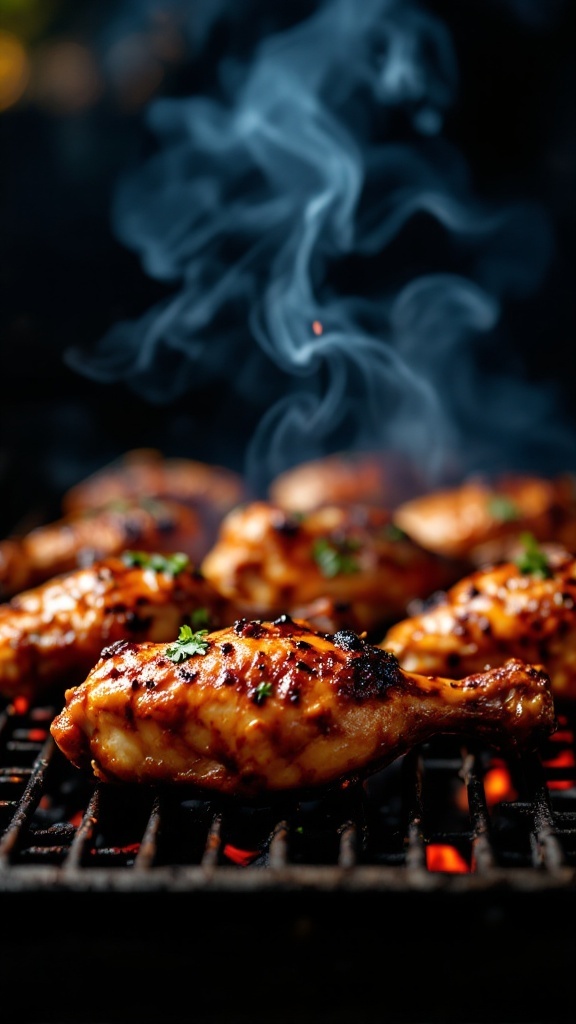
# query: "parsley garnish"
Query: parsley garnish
{"points": [[262, 691], [187, 644], [393, 532], [335, 557], [502, 508], [533, 560], [172, 564]]}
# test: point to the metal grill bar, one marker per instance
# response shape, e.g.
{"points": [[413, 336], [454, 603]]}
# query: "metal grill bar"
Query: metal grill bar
{"points": [[60, 827]]}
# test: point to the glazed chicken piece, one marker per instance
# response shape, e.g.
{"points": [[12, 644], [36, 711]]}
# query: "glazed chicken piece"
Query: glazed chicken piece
{"points": [[210, 490], [262, 707], [337, 566], [53, 634], [524, 609], [481, 520], [345, 478], [77, 540]]}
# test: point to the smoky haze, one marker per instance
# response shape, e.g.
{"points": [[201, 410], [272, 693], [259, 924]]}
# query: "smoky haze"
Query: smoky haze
{"points": [[326, 255]]}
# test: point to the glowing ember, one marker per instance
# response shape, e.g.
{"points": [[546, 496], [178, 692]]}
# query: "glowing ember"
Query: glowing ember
{"points": [[442, 857], [238, 856], [317, 327], [565, 759], [36, 735], [498, 786], [20, 705]]}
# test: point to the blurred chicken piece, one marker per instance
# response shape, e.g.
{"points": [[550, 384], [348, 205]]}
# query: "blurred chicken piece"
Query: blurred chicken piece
{"points": [[345, 478], [523, 609], [77, 540], [261, 707], [337, 566], [481, 520], [53, 634], [210, 490]]}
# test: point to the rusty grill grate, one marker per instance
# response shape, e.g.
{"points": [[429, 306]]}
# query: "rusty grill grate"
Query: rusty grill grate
{"points": [[448, 814]]}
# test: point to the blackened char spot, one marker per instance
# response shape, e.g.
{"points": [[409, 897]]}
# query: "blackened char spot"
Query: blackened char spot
{"points": [[252, 628], [348, 640], [116, 648], [370, 674]]}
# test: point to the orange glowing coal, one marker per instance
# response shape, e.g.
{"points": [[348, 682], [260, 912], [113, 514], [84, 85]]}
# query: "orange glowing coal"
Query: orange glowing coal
{"points": [[317, 327], [498, 786], [443, 857], [20, 705]]}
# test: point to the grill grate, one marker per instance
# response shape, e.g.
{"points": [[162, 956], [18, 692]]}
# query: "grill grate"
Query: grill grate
{"points": [[447, 815]]}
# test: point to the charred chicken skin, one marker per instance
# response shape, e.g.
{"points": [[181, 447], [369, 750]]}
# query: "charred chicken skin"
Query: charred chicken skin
{"points": [[337, 566], [77, 540], [482, 520], [53, 634], [524, 609], [262, 707]]}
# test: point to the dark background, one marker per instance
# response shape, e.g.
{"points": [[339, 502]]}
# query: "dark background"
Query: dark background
{"points": [[65, 278]]}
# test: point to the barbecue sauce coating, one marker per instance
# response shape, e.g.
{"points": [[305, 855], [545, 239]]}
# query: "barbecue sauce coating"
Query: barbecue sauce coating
{"points": [[496, 613], [337, 566], [81, 538], [53, 634], [275, 706]]}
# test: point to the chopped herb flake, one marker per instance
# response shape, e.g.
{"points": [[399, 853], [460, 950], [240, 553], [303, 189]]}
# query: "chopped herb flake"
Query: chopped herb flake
{"points": [[502, 508], [335, 557], [187, 644], [171, 564], [262, 691], [533, 559]]}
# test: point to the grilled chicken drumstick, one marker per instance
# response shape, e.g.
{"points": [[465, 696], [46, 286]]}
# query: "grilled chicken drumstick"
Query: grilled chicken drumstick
{"points": [[523, 609], [482, 519], [76, 540], [209, 490], [339, 566], [53, 634], [261, 707]]}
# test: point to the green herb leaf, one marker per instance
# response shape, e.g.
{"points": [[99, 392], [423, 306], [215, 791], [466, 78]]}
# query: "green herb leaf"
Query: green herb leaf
{"points": [[263, 690], [171, 564], [335, 557], [188, 644], [502, 508], [533, 559]]}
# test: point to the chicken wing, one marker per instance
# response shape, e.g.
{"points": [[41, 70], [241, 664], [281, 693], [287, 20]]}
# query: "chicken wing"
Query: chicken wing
{"points": [[210, 490], [374, 478], [77, 540], [481, 520], [338, 566], [53, 634], [262, 707], [524, 609]]}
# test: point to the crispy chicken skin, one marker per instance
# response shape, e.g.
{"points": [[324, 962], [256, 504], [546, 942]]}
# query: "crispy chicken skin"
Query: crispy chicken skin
{"points": [[374, 478], [276, 706], [481, 520], [211, 490], [53, 634], [496, 613], [338, 566], [77, 540]]}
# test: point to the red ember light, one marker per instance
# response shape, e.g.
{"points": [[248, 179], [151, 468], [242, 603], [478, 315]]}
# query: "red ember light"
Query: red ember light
{"points": [[21, 705], [441, 857], [565, 759], [238, 856]]}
